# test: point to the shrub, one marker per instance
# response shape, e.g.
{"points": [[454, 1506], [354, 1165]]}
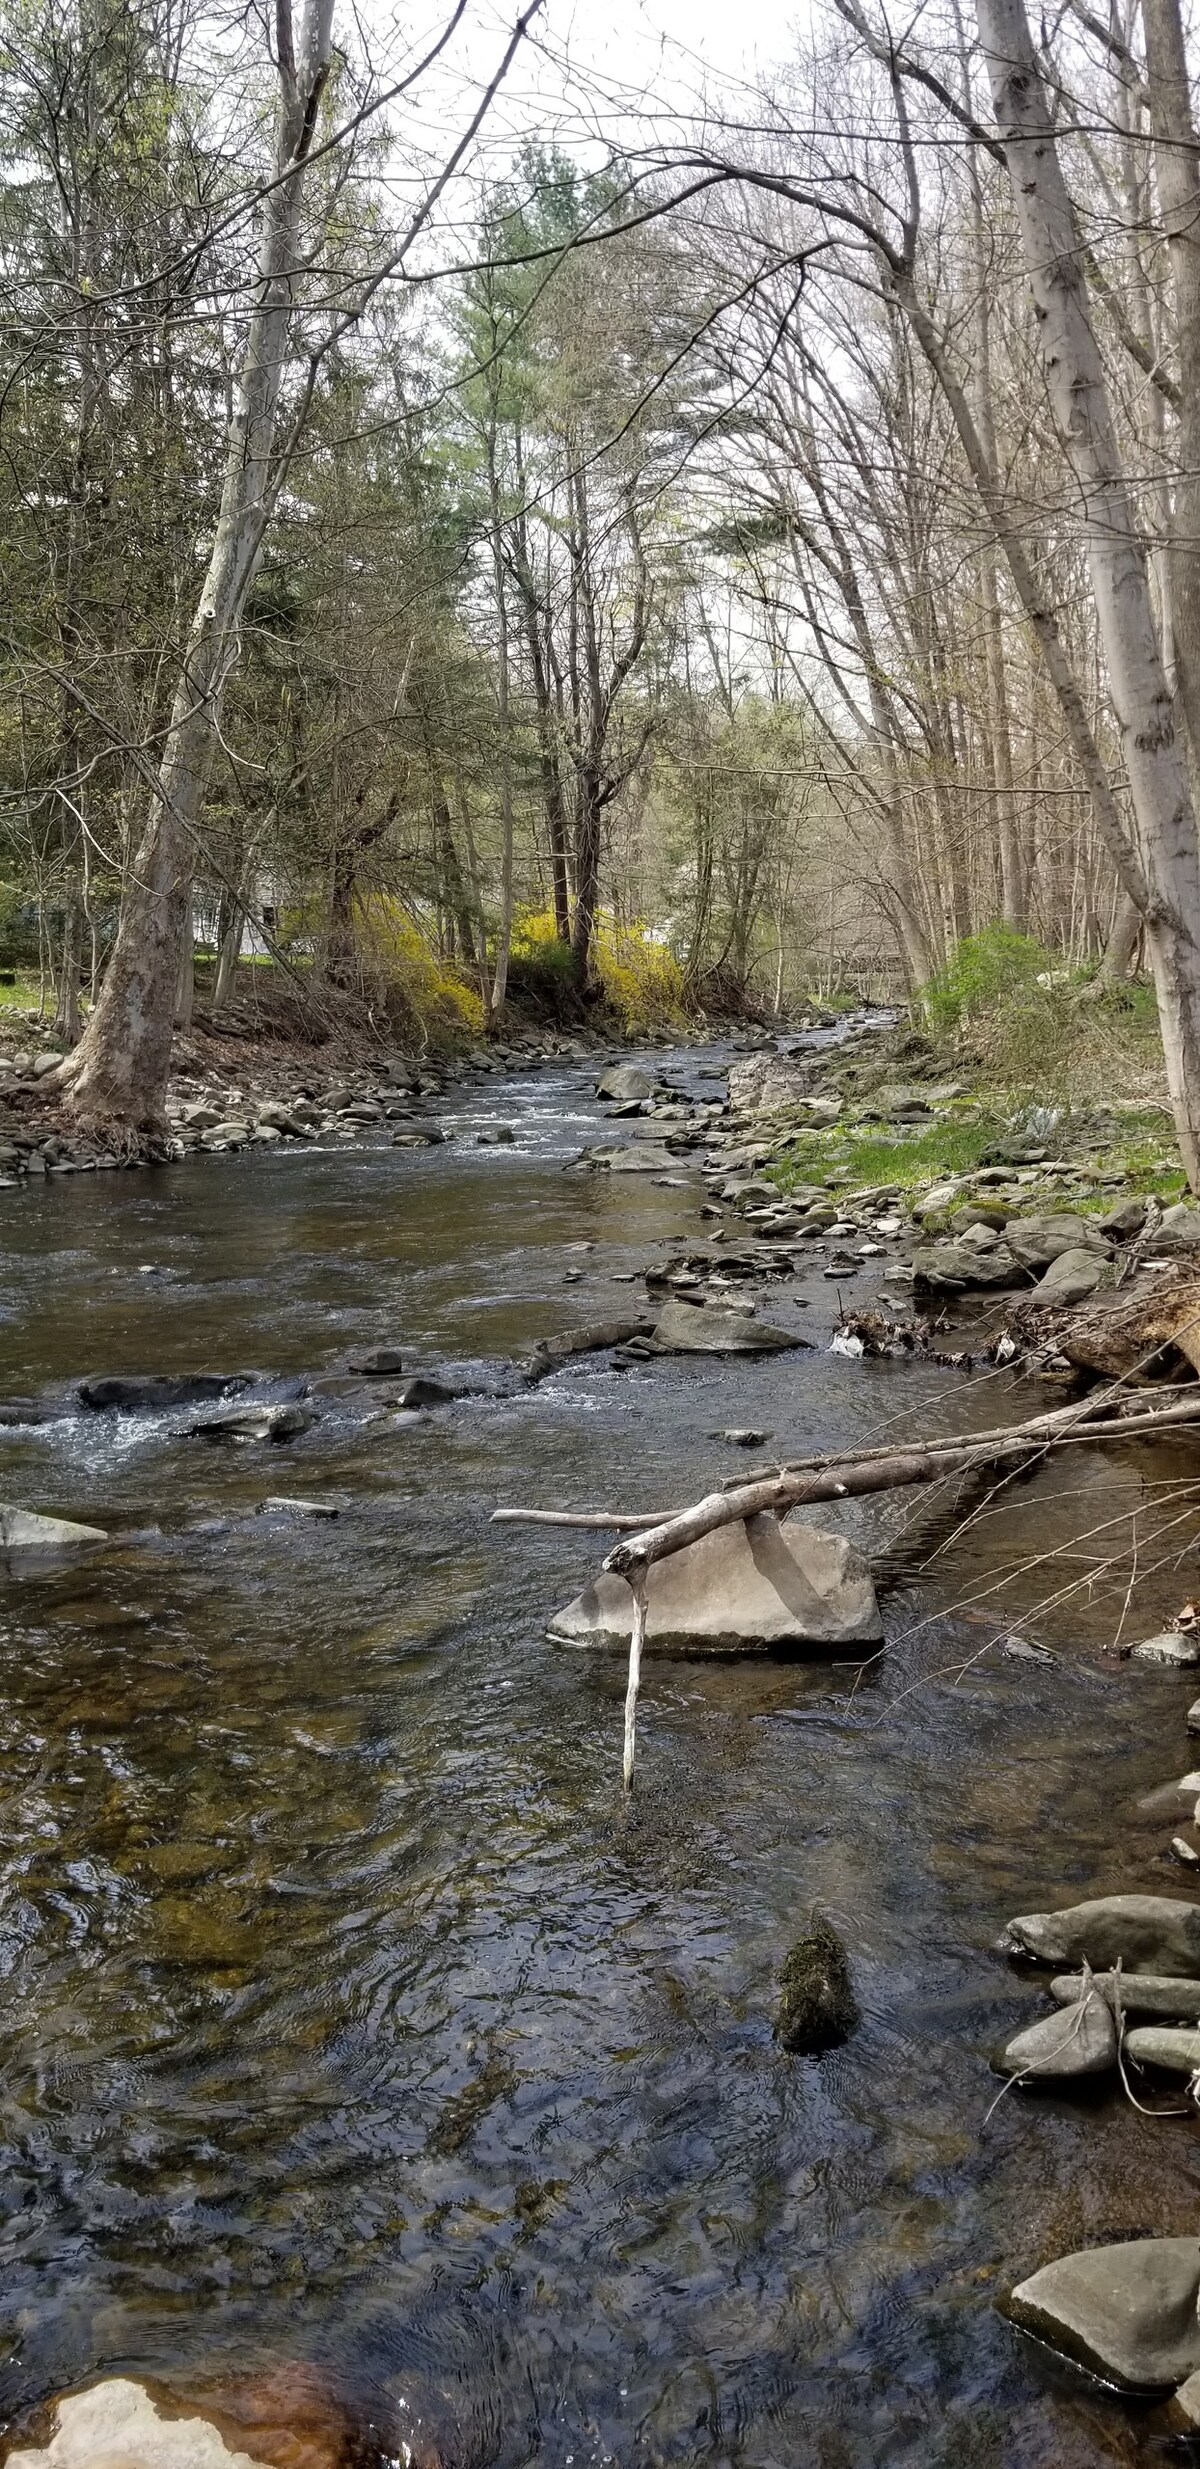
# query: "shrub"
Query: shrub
{"points": [[982, 970], [395, 945]]}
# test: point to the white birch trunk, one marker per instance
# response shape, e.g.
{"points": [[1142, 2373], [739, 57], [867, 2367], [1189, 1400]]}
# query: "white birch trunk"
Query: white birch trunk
{"points": [[118, 1072], [1158, 779]]}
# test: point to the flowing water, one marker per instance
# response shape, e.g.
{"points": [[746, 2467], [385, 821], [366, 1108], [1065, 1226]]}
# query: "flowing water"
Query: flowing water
{"points": [[346, 2014]]}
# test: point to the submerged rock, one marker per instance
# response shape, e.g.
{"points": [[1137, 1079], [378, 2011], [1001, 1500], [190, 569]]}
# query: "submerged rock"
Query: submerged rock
{"points": [[1128, 2312], [1080, 2039], [424, 1390], [747, 1588], [709, 1329], [156, 1392], [116, 2425], [817, 2006], [1143, 1933]]}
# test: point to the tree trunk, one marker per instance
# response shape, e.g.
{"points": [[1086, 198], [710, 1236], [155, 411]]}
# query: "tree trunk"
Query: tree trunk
{"points": [[1158, 779], [229, 948], [118, 1072], [1178, 178]]}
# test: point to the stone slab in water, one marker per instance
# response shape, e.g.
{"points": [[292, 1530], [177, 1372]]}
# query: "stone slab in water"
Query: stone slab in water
{"points": [[750, 1588], [1179, 1649], [626, 1082], [1143, 1933], [22, 1530], [1128, 2312], [707, 1329]]}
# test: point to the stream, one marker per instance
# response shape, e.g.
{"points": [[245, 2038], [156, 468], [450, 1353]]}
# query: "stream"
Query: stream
{"points": [[348, 2015]]}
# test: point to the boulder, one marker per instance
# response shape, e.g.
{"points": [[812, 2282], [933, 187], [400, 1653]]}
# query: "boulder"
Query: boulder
{"points": [[138, 1393], [1156, 2044], [1079, 2040], [1186, 2405], [817, 2006], [380, 1361], [710, 1329], [1037, 1241], [1179, 1649], [1143, 1933], [628, 1083], [1124, 1221], [1149, 1996], [1180, 1225], [1128, 2312], [1070, 1278], [749, 1588], [23, 1531], [946, 1268], [637, 1158]]}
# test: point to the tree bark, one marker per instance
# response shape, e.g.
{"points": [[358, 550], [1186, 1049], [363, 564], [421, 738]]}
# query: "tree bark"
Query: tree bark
{"points": [[118, 1072], [1159, 787], [1178, 177]]}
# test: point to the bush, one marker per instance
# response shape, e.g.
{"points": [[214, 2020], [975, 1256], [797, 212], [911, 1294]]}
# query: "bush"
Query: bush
{"points": [[982, 971], [431, 998]]}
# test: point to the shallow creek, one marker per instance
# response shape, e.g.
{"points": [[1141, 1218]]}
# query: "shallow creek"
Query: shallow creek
{"points": [[346, 2013]]}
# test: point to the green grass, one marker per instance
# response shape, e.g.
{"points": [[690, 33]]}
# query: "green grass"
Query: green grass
{"points": [[957, 1145], [946, 1147], [22, 995]]}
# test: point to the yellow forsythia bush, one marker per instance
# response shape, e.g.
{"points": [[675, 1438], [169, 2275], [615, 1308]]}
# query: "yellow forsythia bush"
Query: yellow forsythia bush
{"points": [[641, 979], [394, 941]]}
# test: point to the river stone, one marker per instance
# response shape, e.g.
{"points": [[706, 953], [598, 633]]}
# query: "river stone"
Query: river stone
{"points": [[1143, 1933], [1178, 1648], [1038, 1241], [748, 1588], [274, 1423], [1155, 2044], [817, 2006], [1128, 2312], [156, 1392], [947, 1267], [1154, 1996], [424, 1390], [1123, 1222], [381, 1359], [1070, 1278], [115, 2425], [1078, 2040], [627, 1082], [1168, 1799], [21, 1530], [1180, 1225], [712, 1329]]}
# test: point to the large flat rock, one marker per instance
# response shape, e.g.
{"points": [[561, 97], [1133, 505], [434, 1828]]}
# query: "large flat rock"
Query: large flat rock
{"points": [[752, 1588], [708, 1329], [1128, 2312]]}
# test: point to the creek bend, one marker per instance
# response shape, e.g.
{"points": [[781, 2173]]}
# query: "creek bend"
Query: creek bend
{"points": [[347, 2015]]}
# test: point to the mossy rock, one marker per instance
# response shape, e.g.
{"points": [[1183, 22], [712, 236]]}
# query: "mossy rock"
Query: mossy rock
{"points": [[817, 2006]]}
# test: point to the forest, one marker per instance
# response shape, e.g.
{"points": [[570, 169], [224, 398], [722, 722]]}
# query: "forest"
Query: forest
{"points": [[751, 559]]}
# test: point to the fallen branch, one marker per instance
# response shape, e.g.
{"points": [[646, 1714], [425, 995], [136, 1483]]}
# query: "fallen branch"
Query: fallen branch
{"points": [[886, 1470]]}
